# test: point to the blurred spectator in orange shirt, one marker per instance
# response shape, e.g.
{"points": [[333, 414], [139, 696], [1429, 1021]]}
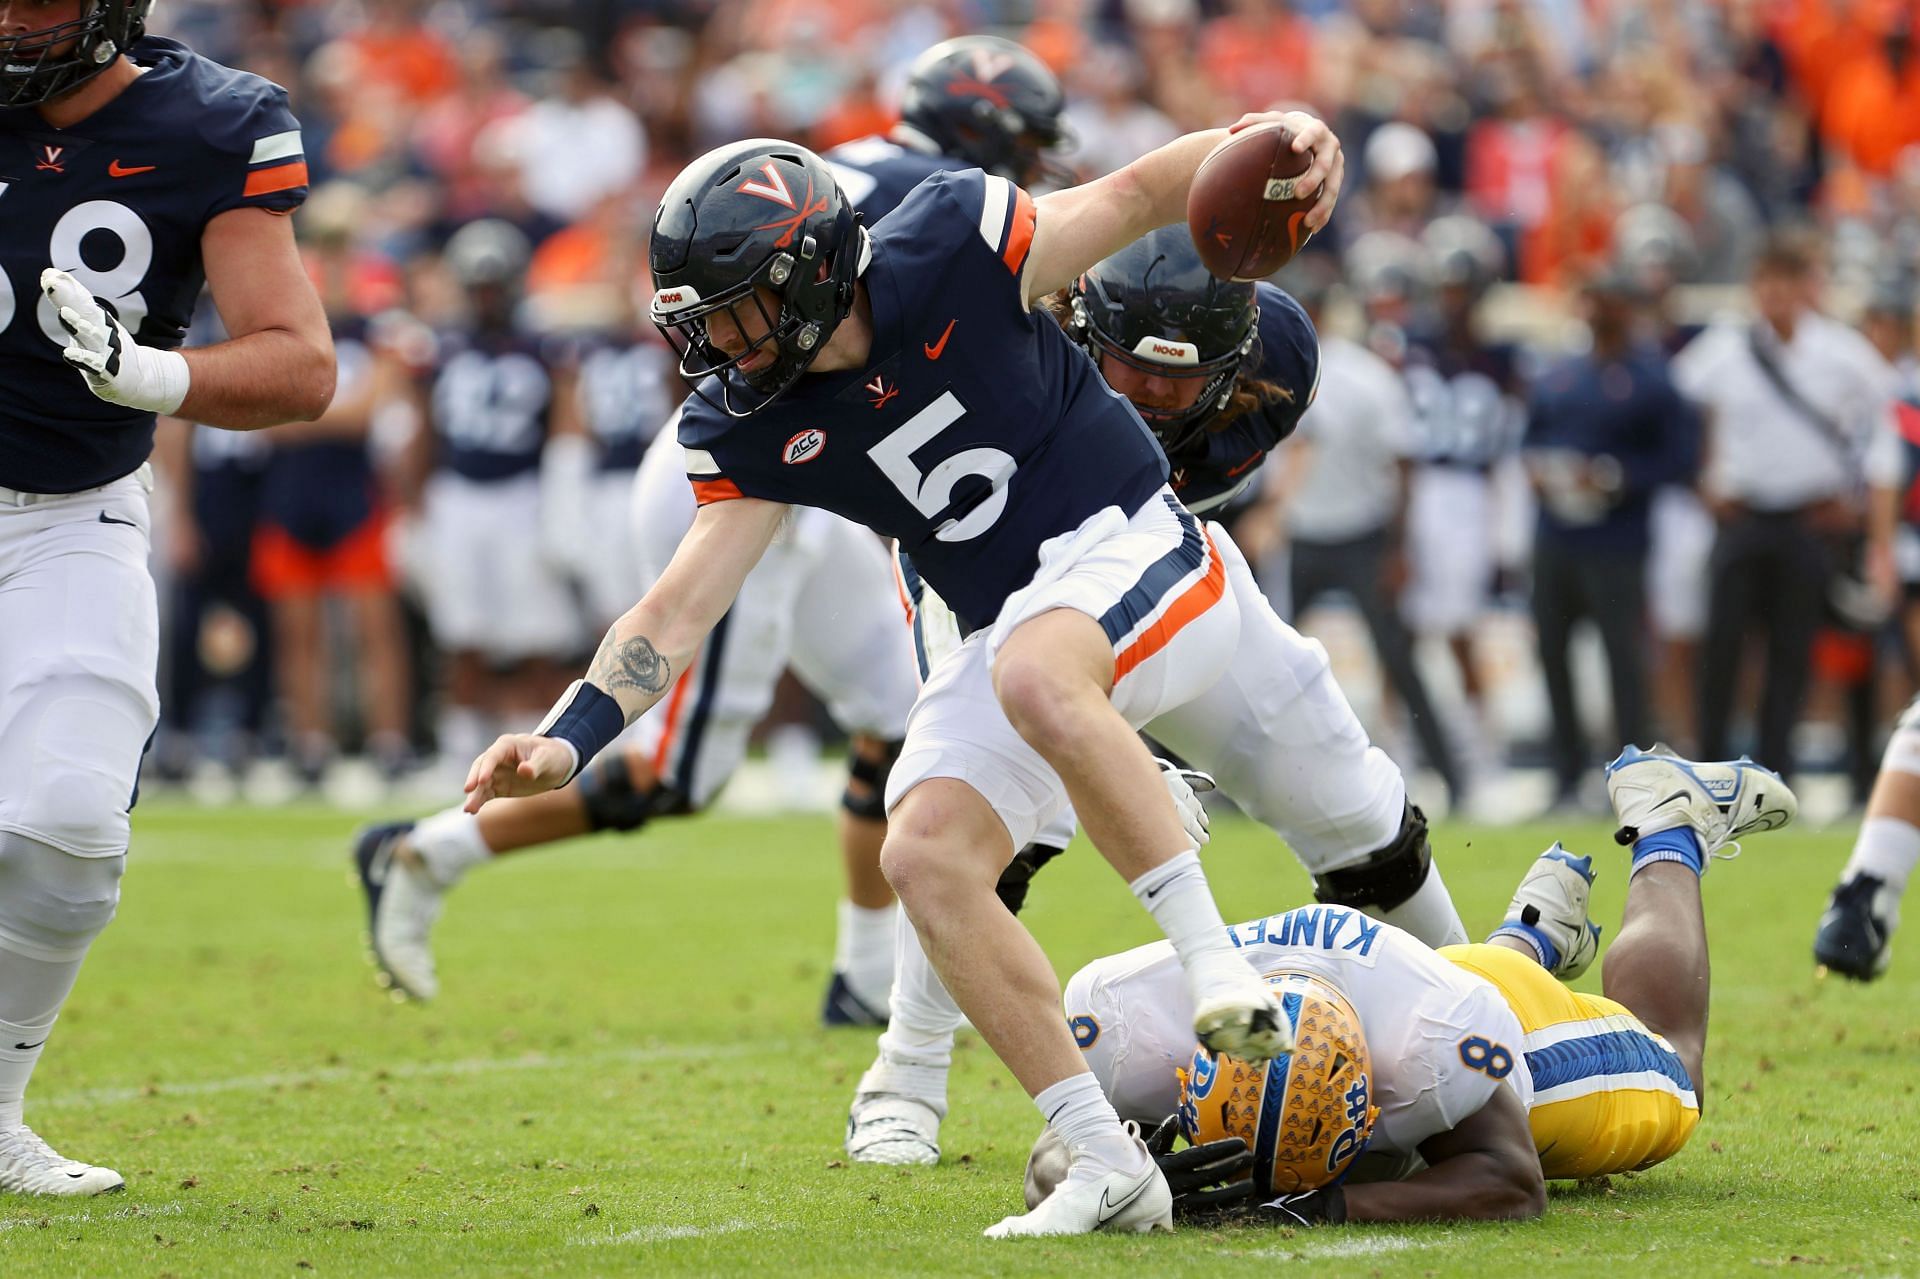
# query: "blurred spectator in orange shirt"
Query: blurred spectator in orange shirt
{"points": [[396, 50], [1259, 52], [445, 133]]}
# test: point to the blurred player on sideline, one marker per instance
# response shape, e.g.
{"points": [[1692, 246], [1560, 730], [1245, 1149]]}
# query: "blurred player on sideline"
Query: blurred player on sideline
{"points": [[818, 600], [171, 170], [1469, 1075], [902, 380]]}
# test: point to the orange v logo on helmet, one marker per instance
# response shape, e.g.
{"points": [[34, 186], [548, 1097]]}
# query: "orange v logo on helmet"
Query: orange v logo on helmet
{"points": [[774, 188], [808, 207], [980, 87]]}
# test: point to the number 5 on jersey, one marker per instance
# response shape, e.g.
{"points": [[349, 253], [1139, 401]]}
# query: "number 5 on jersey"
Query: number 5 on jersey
{"points": [[931, 492]]}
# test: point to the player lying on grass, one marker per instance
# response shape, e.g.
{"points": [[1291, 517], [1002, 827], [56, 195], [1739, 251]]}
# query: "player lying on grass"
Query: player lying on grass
{"points": [[1441, 1084]]}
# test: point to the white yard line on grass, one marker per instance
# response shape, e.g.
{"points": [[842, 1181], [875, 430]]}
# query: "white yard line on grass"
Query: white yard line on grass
{"points": [[133, 1211], [379, 1072], [666, 1234], [1308, 1247]]}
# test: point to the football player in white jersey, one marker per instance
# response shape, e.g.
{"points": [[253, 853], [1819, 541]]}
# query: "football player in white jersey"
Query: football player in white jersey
{"points": [[1454, 1082], [132, 171]]}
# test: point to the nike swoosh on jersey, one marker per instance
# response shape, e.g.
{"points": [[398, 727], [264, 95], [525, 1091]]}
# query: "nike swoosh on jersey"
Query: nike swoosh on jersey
{"points": [[937, 349], [119, 170]]}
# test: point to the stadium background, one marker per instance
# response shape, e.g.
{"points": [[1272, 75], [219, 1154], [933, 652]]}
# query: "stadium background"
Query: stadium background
{"points": [[1665, 138]]}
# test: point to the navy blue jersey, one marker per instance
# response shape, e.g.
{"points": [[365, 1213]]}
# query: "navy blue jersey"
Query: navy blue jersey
{"points": [[627, 391], [976, 431], [1220, 464], [1466, 406], [877, 174], [120, 200], [322, 492], [492, 403]]}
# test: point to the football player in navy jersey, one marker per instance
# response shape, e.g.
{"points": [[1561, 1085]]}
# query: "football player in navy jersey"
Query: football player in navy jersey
{"points": [[493, 603], [131, 170], [902, 380], [1222, 372]]}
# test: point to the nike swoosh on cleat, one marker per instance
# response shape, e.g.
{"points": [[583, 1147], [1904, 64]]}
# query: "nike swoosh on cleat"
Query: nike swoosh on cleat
{"points": [[1110, 1210]]}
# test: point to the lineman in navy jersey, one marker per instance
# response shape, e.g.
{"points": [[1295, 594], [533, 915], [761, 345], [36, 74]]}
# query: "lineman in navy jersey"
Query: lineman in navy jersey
{"points": [[130, 171], [1223, 372], [901, 380]]}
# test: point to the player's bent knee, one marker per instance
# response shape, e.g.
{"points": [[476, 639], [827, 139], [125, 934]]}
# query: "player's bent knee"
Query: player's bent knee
{"points": [[614, 801], [1386, 877], [52, 903], [1040, 702], [870, 763]]}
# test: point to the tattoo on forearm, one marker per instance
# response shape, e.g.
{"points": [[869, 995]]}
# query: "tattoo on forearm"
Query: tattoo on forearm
{"points": [[633, 663]]}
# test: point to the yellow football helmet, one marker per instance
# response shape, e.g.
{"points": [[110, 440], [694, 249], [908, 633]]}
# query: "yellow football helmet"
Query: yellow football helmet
{"points": [[1306, 1115]]}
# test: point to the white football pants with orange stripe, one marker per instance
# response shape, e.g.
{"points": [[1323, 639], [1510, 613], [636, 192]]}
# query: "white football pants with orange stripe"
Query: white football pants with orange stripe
{"points": [[821, 600]]}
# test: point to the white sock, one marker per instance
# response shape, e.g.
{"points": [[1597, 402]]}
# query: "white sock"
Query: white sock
{"points": [[1429, 914], [863, 951], [20, 1049], [922, 1019], [462, 734], [449, 844], [1176, 894], [1888, 848], [1077, 1110]]}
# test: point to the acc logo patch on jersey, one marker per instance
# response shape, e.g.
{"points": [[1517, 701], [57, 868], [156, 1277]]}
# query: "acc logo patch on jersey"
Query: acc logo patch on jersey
{"points": [[804, 447]]}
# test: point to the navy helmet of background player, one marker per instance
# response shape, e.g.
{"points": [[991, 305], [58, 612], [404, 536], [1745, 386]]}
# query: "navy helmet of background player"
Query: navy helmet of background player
{"points": [[131, 172], [988, 102], [1221, 371]]}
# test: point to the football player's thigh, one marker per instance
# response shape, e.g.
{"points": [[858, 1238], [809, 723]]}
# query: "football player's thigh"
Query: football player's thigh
{"points": [[957, 730], [1278, 735], [459, 545], [851, 645], [528, 609], [79, 643]]}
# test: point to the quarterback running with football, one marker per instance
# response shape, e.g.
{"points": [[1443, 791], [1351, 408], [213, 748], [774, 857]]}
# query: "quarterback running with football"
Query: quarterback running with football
{"points": [[902, 380], [172, 171], [1222, 372], [1442, 1084], [823, 598]]}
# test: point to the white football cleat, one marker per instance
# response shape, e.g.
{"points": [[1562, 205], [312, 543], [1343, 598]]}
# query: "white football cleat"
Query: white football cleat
{"points": [[1549, 909], [1656, 790], [29, 1166], [1095, 1197], [1234, 1011], [892, 1128]]}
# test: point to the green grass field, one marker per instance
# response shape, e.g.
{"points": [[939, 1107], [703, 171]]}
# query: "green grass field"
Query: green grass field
{"points": [[624, 1075]]}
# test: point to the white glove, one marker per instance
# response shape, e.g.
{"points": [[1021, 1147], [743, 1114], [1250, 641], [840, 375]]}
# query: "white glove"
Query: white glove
{"points": [[118, 369], [1186, 785]]}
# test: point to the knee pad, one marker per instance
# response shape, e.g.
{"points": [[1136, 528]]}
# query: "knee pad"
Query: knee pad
{"points": [[52, 903], [1387, 876], [615, 803], [1018, 876], [867, 772]]}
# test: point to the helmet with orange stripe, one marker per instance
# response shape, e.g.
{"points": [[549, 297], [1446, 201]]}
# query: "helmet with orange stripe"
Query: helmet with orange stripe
{"points": [[991, 103], [755, 254], [1305, 1115]]}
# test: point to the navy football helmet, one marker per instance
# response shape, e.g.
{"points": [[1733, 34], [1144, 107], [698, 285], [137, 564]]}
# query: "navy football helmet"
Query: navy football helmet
{"points": [[989, 102], [1154, 307], [743, 223], [30, 73]]}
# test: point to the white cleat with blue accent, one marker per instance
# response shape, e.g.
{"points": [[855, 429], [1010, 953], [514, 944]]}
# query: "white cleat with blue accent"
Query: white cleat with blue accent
{"points": [[1656, 790], [1549, 910]]}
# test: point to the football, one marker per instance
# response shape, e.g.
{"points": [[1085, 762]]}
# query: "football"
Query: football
{"points": [[1245, 213]]}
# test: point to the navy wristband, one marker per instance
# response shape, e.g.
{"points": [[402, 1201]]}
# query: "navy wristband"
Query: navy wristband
{"points": [[586, 719]]}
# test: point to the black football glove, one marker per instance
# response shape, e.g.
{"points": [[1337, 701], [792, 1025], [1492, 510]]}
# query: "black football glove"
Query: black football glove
{"points": [[1201, 1177]]}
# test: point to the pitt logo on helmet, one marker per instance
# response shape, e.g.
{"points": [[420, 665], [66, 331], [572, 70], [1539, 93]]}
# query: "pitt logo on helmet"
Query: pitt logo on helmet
{"points": [[1306, 1115]]}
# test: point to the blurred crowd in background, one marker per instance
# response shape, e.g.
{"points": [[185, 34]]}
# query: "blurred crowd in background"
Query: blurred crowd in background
{"points": [[1539, 193]]}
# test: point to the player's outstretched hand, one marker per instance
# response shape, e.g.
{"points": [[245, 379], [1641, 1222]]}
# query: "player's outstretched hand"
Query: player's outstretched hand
{"points": [[1329, 167], [117, 369], [518, 764], [1202, 1178]]}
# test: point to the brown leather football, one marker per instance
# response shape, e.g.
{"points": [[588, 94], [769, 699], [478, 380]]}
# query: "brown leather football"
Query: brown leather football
{"points": [[1246, 214]]}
